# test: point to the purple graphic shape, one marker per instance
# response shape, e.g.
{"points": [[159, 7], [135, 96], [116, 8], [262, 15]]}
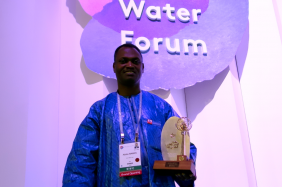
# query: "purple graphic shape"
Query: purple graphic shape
{"points": [[221, 27], [113, 17]]}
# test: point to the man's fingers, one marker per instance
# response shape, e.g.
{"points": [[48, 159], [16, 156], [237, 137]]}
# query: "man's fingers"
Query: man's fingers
{"points": [[183, 176]]}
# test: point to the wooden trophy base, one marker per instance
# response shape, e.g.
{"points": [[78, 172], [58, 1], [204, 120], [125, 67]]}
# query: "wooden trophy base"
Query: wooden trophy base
{"points": [[182, 165]]}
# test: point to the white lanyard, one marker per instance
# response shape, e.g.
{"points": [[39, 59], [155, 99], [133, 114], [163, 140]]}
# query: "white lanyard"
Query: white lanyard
{"points": [[136, 125]]}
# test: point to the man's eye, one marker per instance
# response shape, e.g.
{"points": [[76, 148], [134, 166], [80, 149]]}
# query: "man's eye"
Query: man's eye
{"points": [[136, 61], [122, 61]]}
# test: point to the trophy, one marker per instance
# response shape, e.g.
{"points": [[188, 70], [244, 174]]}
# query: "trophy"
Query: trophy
{"points": [[175, 146]]}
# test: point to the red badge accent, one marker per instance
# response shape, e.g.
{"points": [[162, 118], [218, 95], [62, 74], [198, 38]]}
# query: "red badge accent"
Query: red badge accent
{"points": [[137, 160], [149, 121], [130, 173]]}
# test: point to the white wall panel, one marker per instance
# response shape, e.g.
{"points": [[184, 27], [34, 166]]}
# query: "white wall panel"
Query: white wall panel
{"points": [[261, 83], [216, 132], [79, 87], [43, 101], [14, 91]]}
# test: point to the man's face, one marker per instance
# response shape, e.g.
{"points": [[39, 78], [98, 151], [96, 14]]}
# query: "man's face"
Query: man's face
{"points": [[128, 66]]}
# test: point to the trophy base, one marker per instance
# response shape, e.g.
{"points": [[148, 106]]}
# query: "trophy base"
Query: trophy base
{"points": [[182, 165]]}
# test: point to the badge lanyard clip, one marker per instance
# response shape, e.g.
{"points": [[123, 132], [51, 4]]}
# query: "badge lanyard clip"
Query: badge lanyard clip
{"points": [[122, 138], [136, 137]]}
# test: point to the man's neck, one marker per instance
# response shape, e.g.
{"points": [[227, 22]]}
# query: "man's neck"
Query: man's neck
{"points": [[128, 91]]}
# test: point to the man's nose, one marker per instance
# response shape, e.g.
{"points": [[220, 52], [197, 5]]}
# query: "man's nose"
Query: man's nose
{"points": [[129, 64]]}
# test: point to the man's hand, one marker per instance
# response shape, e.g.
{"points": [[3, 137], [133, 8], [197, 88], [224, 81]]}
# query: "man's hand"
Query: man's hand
{"points": [[186, 176]]}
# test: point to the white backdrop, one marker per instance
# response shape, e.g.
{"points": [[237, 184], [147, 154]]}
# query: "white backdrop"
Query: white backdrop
{"points": [[46, 91]]}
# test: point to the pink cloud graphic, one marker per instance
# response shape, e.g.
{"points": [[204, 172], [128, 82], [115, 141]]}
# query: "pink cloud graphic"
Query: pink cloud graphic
{"points": [[92, 7]]}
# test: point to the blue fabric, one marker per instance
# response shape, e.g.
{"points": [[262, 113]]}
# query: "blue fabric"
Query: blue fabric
{"points": [[94, 159]]}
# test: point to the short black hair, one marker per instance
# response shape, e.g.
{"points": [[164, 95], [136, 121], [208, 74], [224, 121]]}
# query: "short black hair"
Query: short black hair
{"points": [[127, 45]]}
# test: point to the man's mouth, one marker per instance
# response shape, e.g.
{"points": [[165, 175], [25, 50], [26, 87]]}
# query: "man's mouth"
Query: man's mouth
{"points": [[129, 72]]}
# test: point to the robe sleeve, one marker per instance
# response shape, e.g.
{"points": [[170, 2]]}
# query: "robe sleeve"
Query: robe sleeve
{"points": [[81, 166]]}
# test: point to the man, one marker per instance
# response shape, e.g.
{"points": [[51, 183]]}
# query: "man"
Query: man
{"points": [[126, 116], [136, 145]]}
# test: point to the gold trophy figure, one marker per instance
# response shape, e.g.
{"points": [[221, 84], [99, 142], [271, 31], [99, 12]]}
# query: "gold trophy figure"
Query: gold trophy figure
{"points": [[175, 145], [184, 125]]}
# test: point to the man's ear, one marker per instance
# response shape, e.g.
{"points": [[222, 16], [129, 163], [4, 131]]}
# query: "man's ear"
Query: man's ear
{"points": [[114, 67]]}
